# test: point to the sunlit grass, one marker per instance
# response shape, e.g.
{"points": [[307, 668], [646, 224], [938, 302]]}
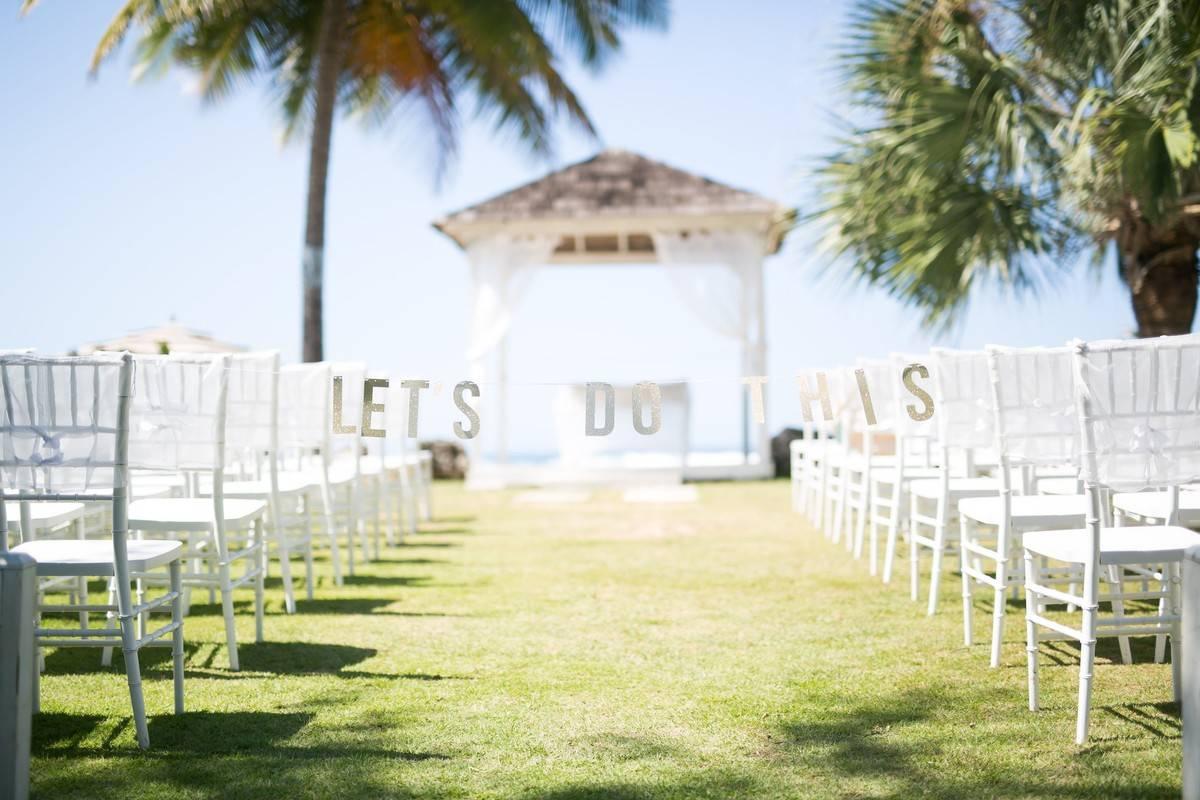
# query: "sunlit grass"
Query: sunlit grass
{"points": [[607, 650]]}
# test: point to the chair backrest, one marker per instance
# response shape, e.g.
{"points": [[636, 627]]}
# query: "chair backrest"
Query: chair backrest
{"points": [[963, 398], [1033, 401], [64, 430], [1140, 405], [866, 395], [914, 437], [252, 413], [305, 405], [179, 411]]}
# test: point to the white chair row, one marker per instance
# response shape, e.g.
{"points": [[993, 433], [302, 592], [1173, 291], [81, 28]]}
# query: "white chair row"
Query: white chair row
{"points": [[1029, 458], [185, 471]]}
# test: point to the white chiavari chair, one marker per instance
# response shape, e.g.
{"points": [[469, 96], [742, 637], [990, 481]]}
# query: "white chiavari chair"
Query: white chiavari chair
{"points": [[822, 448], [1139, 404], [346, 480], [845, 460], [305, 434], [254, 469], [812, 476], [64, 437], [423, 481], [180, 410], [962, 394], [1033, 404], [877, 423], [915, 436], [404, 466]]}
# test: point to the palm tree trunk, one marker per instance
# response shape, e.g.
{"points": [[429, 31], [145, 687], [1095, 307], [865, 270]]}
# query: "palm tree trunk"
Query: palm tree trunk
{"points": [[329, 56], [1158, 262]]}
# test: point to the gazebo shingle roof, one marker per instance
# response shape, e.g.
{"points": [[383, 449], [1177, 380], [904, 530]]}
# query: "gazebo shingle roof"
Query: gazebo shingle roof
{"points": [[614, 184]]}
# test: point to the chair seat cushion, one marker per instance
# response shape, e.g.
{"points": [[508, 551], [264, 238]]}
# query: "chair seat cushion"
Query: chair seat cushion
{"points": [[1139, 544], [1028, 510], [190, 513], [95, 557], [1157, 505]]}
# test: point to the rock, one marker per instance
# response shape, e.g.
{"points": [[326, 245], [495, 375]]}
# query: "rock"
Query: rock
{"points": [[449, 460], [781, 453]]}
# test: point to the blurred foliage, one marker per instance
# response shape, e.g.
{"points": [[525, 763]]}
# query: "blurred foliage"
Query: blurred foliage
{"points": [[1005, 138]]}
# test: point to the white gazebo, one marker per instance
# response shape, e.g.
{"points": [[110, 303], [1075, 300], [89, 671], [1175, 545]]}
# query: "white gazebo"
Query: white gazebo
{"points": [[622, 208]]}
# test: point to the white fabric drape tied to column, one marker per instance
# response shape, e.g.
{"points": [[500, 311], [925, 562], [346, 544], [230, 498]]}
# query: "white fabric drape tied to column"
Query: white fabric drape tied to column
{"points": [[501, 268], [718, 275]]}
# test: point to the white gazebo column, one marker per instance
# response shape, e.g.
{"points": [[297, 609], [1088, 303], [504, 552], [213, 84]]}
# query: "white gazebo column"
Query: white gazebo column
{"points": [[756, 436], [502, 400], [760, 359]]}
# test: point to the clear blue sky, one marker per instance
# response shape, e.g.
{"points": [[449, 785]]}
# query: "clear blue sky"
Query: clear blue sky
{"points": [[122, 204]]}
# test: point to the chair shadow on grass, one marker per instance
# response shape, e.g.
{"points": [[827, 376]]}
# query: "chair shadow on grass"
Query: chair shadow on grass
{"points": [[207, 662], [186, 740], [872, 741]]}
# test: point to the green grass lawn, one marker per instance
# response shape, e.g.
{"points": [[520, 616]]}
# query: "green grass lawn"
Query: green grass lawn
{"points": [[605, 650]]}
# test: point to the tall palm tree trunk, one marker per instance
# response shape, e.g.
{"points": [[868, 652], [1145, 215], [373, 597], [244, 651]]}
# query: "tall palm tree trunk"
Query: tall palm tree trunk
{"points": [[329, 57], [1158, 262]]}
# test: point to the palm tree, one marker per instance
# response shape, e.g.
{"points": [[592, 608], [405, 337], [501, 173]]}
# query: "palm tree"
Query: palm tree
{"points": [[378, 58], [1004, 138]]}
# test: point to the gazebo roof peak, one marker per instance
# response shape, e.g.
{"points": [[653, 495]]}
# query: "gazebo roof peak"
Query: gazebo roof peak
{"points": [[620, 192]]}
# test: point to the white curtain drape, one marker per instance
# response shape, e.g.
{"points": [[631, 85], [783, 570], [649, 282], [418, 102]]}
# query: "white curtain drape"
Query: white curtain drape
{"points": [[718, 275], [501, 268]]}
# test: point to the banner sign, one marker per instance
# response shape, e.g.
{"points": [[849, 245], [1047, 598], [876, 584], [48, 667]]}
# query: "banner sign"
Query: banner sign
{"points": [[599, 412]]}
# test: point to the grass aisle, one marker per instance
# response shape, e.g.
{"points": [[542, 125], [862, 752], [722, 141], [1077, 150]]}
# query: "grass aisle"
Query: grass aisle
{"points": [[605, 650]]}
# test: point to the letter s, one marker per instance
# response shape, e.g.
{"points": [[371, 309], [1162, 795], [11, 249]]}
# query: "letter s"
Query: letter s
{"points": [[916, 391]]}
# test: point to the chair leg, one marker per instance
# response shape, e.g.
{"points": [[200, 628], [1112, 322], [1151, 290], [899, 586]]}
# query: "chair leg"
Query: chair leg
{"points": [[1087, 654], [360, 524], [914, 556], [133, 669], [1118, 604], [106, 653], [939, 551], [1031, 633], [414, 515], [1176, 631], [860, 522], [998, 602], [227, 612], [308, 548], [967, 588], [873, 533], [1160, 641], [81, 590], [285, 563], [177, 634], [331, 531], [260, 541], [893, 531], [389, 510]]}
